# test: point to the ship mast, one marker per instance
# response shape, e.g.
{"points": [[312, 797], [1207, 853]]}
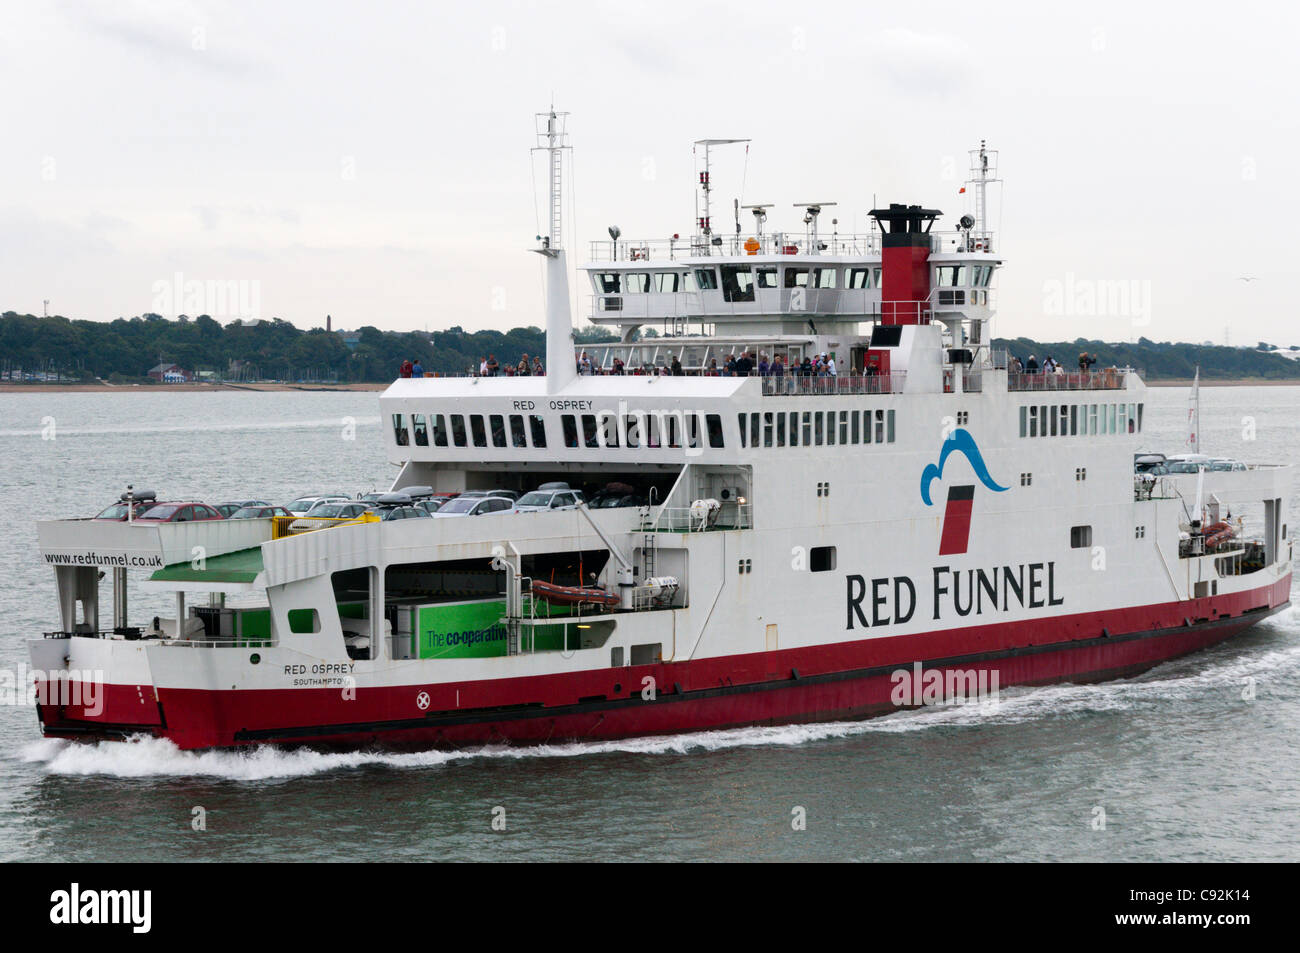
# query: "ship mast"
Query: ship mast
{"points": [[983, 172], [561, 367], [703, 223]]}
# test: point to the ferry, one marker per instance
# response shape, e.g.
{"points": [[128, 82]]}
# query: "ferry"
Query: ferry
{"points": [[796, 540]]}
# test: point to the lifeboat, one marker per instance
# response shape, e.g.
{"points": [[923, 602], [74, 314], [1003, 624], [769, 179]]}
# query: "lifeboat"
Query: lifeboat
{"points": [[1216, 534], [572, 595]]}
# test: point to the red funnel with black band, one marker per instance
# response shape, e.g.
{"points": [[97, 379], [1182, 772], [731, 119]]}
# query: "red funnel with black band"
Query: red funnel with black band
{"points": [[956, 520], [905, 260]]}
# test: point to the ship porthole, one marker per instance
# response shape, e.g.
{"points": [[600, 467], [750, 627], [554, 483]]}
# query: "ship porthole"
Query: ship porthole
{"points": [[255, 658]]}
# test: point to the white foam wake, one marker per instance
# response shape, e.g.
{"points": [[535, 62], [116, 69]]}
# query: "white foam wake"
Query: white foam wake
{"points": [[1196, 677]]}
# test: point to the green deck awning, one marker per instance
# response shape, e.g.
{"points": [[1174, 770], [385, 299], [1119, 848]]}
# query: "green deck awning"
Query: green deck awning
{"points": [[237, 567]]}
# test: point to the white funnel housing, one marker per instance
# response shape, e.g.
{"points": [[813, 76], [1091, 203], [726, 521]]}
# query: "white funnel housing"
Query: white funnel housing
{"points": [[561, 367]]}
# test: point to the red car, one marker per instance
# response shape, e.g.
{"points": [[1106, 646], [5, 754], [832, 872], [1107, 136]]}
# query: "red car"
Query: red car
{"points": [[179, 513]]}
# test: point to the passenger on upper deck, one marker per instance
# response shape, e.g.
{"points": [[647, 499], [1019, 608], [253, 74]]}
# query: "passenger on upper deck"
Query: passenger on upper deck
{"points": [[525, 369], [405, 369], [677, 368], [538, 370], [492, 365], [417, 369]]}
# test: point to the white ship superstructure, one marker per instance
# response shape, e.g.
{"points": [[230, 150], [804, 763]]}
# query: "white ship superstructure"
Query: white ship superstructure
{"points": [[799, 540]]}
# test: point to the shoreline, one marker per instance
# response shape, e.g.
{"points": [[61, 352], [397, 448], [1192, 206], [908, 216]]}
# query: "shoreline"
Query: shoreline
{"points": [[77, 387]]}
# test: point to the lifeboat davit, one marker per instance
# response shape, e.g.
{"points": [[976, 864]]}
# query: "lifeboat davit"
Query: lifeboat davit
{"points": [[572, 595]]}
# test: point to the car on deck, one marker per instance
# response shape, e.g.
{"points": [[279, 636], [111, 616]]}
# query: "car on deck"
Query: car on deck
{"points": [[189, 512], [258, 512], [138, 503], [549, 496], [228, 509], [467, 505]]}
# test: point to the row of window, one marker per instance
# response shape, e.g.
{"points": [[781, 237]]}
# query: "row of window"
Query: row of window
{"points": [[463, 430], [739, 280], [643, 430], [736, 281], [816, 428], [1075, 420], [520, 432]]}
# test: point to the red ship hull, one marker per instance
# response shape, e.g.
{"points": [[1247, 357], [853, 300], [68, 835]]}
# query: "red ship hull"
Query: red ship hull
{"points": [[824, 683]]}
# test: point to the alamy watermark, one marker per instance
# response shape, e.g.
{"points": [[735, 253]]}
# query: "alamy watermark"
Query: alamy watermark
{"points": [[953, 686], [31, 687], [221, 299]]}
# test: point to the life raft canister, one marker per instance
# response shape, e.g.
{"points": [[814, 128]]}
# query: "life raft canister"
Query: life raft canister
{"points": [[752, 246]]}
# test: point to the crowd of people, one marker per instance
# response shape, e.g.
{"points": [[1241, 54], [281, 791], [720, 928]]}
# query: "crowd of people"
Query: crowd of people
{"points": [[490, 367], [743, 364], [1050, 365]]}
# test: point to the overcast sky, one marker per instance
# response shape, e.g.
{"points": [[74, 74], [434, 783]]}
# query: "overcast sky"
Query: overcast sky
{"points": [[370, 160]]}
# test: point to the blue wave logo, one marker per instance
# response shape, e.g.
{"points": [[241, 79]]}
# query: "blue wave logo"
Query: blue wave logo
{"points": [[959, 441]]}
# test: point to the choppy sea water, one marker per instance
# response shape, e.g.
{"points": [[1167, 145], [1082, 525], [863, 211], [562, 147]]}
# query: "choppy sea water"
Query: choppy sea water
{"points": [[1181, 765]]}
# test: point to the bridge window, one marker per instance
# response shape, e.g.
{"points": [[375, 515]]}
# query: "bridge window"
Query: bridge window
{"points": [[480, 434], [458, 429], [517, 438], [498, 425], [768, 427], [399, 430], [569, 424], [439, 430], [636, 282], [767, 277], [538, 426], [858, 278], [706, 279], [420, 431], [737, 283], [796, 277], [669, 281], [825, 277], [853, 419], [607, 282], [951, 276], [875, 278]]}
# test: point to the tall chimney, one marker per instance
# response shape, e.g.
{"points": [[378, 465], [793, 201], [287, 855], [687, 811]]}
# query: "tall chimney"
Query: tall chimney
{"points": [[905, 258]]}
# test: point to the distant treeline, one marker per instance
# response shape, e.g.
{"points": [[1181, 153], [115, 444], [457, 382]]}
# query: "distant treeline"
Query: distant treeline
{"points": [[127, 348], [1163, 360]]}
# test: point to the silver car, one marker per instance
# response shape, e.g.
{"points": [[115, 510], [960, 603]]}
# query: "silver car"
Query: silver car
{"points": [[537, 500]]}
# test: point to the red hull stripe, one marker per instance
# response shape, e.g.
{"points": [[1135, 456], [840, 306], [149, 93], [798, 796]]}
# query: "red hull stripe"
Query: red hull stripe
{"points": [[1226, 628], [817, 683]]}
